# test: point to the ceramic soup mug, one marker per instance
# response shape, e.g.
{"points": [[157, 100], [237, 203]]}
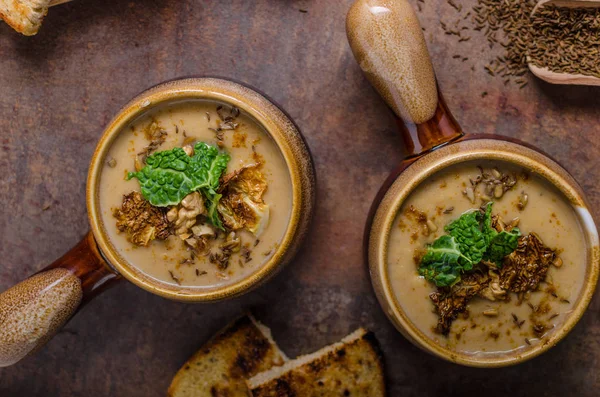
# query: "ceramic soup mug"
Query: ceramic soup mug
{"points": [[487, 318], [179, 112]]}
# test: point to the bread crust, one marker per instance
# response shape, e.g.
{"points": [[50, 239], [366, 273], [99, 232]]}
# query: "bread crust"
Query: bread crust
{"points": [[24, 16], [351, 368], [221, 366]]}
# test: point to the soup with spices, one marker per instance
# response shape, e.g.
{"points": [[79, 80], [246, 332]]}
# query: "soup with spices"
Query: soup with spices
{"points": [[486, 258], [195, 193]]}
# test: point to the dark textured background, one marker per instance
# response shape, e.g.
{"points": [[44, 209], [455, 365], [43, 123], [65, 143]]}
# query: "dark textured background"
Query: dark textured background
{"points": [[60, 88]]}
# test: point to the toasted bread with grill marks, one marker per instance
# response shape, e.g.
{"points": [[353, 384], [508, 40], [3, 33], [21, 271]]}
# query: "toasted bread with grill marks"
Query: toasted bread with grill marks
{"points": [[221, 367], [352, 367]]}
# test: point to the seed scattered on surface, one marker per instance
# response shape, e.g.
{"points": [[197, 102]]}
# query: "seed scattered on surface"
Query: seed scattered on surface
{"points": [[498, 191], [562, 39], [112, 162], [558, 262], [527, 341], [516, 320], [431, 226], [539, 329], [174, 278], [523, 200], [457, 7], [448, 210], [470, 194], [490, 312]]}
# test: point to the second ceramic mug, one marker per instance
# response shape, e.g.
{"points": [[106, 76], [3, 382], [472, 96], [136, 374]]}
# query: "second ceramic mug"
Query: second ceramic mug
{"points": [[388, 43], [32, 311]]}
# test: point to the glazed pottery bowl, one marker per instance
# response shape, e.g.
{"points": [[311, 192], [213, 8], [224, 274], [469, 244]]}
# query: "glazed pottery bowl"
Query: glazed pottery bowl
{"points": [[388, 43], [34, 310], [473, 150], [282, 131]]}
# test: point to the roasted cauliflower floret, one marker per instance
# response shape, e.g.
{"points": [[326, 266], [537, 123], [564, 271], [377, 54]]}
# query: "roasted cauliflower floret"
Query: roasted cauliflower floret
{"points": [[242, 205]]}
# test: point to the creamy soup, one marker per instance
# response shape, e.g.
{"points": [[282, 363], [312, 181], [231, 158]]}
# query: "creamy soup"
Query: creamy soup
{"points": [[177, 259], [519, 321]]}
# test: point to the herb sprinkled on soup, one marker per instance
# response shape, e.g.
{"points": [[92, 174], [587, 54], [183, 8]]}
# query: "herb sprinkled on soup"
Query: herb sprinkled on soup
{"points": [[496, 256], [195, 193]]}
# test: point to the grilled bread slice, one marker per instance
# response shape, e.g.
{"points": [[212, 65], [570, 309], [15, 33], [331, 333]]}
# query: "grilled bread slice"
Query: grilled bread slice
{"points": [[220, 368], [24, 16], [351, 367]]}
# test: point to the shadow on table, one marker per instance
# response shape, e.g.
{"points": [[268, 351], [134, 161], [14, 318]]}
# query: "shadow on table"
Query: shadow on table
{"points": [[569, 96]]}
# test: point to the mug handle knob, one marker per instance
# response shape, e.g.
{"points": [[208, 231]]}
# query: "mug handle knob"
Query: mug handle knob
{"points": [[388, 43], [34, 310]]}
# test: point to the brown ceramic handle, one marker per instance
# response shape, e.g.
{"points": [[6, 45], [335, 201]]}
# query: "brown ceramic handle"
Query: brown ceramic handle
{"points": [[388, 44], [33, 311]]}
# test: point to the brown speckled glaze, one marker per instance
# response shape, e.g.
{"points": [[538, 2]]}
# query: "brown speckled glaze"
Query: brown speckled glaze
{"points": [[415, 171], [276, 123], [439, 141], [388, 44], [32, 311]]}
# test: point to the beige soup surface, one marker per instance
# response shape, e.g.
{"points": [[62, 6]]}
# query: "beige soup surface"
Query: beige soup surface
{"points": [[489, 327], [171, 260]]}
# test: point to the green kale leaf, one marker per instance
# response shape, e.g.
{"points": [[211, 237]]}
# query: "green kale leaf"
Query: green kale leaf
{"points": [[444, 262], [171, 175], [213, 214], [163, 180], [501, 245], [471, 241], [486, 225]]}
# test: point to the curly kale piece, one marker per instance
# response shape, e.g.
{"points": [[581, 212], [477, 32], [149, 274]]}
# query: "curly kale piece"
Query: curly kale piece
{"points": [[206, 167], [207, 171], [486, 225], [444, 262], [499, 244], [171, 175], [504, 243], [164, 180], [470, 239], [467, 232]]}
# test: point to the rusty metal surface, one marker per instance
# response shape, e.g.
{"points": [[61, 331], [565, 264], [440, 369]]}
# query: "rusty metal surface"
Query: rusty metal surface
{"points": [[58, 90]]}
